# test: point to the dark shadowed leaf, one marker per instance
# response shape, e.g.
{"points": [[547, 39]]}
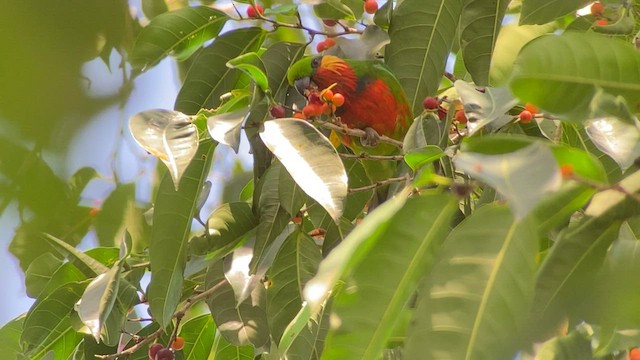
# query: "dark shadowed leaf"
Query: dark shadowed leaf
{"points": [[310, 159], [179, 33], [476, 296], [562, 73], [172, 219], [422, 35], [277, 59], [168, 135], [292, 198], [406, 246], [209, 77], [479, 26]]}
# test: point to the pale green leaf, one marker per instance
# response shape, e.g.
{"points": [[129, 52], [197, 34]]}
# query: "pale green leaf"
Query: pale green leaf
{"points": [[251, 64], [544, 11], [198, 333]]}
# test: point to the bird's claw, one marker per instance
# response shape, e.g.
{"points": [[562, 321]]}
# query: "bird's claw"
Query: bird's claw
{"points": [[371, 138]]}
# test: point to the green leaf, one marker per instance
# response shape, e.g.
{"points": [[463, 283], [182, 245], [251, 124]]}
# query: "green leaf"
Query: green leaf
{"points": [[333, 9], [171, 225], [426, 129], [522, 176], [422, 35], [510, 40], [619, 140], [252, 65], [562, 74], [179, 33], [309, 342], [576, 136], [277, 59], [226, 128], [406, 246], [110, 221], [296, 262], [168, 135], [40, 272], [228, 227], [488, 108], [544, 11], [420, 157], [10, 338], [223, 349], [89, 266], [479, 26], [310, 159], [98, 300], [572, 346], [48, 322], [240, 324], [198, 334], [476, 296], [292, 198], [209, 77]]}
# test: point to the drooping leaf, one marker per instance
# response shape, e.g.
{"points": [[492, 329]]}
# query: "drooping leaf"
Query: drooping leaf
{"points": [[226, 128], [98, 299], [179, 33], [198, 333], [171, 224], [562, 73], [522, 176], [168, 135], [544, 11], [475, 298], [209, 77], [422, 35], [89, 266], [296, 262], [240, 324], [251, 64], [406, 247], [488, 108], [310, 159], [615, 138], [480, 24]]}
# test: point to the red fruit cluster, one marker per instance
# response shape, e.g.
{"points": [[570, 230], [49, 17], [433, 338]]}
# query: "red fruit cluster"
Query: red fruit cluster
{"points": [[566, 170], [253, 12], [324, 103], [528, 113], [460, 117], [159, 352], [597, 9], [277, 111], [430, 103], [370, 6], [326, 44]]}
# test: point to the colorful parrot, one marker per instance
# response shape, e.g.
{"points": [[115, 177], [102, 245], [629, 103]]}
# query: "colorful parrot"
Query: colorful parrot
{"points": [[374, 99]]}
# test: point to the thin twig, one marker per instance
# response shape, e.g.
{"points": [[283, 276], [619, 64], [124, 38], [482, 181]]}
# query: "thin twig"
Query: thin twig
{"points": [[603, 187], [380, 183], [366, 156], [356, 132], [178, 315]]}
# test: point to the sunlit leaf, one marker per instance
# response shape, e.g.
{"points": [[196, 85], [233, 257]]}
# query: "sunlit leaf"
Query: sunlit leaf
{"points": [[168, 135], [252, 65], [365, 318], [544, 11], [333, 9], [366, 47], [475, 298], [223, 349], [179, 33], [488, 108], [480, 23], [420, 157], [562, 73], [422, 35], [98, 299], [238, 273], [310, 159], [607, 200], [174, 211], [615, 138], [198, 333], [226, 128]]}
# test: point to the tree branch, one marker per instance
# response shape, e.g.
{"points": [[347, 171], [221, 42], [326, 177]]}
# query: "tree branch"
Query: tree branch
{"points": [[356, 132], [366, 156], [405, 178]]}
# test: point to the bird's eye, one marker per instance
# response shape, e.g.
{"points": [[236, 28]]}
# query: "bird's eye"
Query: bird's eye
{"points": [[315, 62]]}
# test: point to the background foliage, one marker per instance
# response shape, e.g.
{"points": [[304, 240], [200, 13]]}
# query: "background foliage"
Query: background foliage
{"points": [[509, 235]]}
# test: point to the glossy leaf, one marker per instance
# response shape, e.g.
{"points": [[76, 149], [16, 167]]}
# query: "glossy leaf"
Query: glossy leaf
{"points": [[251, 64], [488, 108], [479, 27], [615, 138], [422, 35], [98, 299], [168, 135], [407, 247], [209, 77], [240, 324], [562, 74], [475, 298], [198, 333], [420, 157], [172, 222], [522, 176], [544, 11], [310, 159], [296, 262], [226, 128], [179, 33]]}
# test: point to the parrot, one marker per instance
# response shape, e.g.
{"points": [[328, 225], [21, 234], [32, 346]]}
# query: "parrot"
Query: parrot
{"points": [[374, 99]]}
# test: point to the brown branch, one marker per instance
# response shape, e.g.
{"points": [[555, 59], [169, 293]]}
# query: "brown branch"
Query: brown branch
{"points": [[377, 184], [366, 156], [356, 132], [178, 315], [604, 187]]}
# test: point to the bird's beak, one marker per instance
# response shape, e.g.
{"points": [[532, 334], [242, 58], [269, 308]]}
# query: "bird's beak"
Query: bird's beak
{"points": [[302, 85]]}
